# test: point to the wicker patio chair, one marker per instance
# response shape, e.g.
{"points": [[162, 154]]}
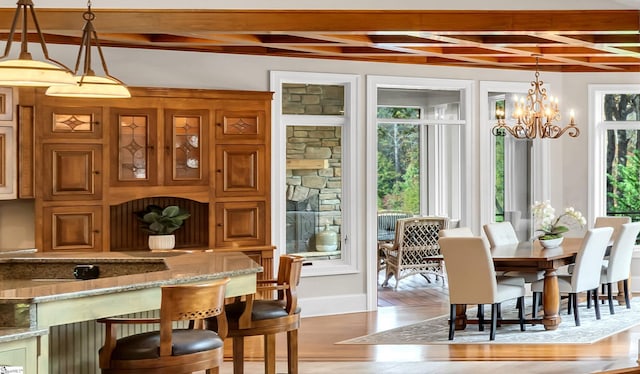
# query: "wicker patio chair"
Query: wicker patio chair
{"points": [[415, 249]]}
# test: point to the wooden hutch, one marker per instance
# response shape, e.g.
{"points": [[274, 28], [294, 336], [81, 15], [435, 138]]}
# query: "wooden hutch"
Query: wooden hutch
{"points": [[91, 163]]}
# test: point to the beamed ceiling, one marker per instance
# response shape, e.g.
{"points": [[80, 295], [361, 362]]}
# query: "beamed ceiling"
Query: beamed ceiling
{"points": [[567, 41]]}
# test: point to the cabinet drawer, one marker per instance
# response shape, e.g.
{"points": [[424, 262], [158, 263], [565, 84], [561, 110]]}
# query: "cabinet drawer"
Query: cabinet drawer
{"points": [[240, 126]]}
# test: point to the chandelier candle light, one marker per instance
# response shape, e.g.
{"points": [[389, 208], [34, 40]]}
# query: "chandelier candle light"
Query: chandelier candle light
{"points": [[535, 115]]}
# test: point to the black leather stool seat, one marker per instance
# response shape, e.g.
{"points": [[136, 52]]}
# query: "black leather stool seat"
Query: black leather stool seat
{"points": [[147, 345], [262, 309]]}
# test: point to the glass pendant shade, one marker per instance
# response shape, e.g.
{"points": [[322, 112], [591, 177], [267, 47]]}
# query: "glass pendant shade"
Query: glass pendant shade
{"points": [[24, 71], [32, 73], [91, 87]]}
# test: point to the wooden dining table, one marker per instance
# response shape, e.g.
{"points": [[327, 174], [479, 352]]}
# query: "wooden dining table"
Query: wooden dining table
{"points": [[531, 256]]}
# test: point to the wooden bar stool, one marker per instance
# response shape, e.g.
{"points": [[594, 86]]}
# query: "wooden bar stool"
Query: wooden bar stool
{"points": [[171, 350], [250, 316]]}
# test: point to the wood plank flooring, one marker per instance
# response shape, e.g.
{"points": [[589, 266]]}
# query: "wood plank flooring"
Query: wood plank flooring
{"points": [[416, 300]]}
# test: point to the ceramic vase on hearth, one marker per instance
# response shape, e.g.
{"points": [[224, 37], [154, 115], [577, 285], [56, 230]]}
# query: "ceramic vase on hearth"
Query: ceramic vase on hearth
{"points": [[326, 240]]}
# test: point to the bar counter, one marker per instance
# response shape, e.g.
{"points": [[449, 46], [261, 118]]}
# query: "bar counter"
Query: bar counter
{"points": [[41, 301]]}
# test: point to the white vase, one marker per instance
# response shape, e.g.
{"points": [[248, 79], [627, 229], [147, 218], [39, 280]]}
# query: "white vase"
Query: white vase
{"points": [[552, 243], [327, 240], [160, 242]]}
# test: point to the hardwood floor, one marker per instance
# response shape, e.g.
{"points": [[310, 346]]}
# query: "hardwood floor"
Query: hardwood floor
{"points": [[416, 300]]}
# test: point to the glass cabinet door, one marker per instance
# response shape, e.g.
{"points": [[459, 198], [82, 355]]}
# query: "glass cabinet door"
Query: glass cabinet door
{"points": [[136, 151], [187, 146]]}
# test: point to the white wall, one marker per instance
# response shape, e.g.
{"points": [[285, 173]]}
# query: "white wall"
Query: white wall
{"points": [[220, 71]]}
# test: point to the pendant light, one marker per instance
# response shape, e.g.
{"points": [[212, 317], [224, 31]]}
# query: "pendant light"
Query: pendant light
{"points": [[24, 71], [88, 84]]}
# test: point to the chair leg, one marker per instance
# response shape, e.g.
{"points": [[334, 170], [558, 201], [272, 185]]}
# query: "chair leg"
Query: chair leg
{"points": [[452, 320], [603, 291], [238, 355], [576, 316], [292, 351], [589, 299], [627, 300], [521, 312], [534, 304], [610, 299], [494, 321], [480, 317], [569, 304], [270, 353], [595, 303]]}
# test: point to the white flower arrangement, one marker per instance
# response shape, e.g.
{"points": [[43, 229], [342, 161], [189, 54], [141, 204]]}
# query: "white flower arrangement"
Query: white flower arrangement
{"points": [[552, 227]]}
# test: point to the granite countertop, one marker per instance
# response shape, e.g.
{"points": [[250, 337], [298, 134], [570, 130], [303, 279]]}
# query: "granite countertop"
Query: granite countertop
{"points": [[48, 276]]}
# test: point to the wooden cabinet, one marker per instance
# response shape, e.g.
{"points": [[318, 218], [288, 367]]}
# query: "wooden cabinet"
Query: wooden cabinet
{"points": [[98, 161]]}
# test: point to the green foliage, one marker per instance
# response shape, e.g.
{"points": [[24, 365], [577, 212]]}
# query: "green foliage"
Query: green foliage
{"points": [[161, 221], [399, 166], [626, 186]]}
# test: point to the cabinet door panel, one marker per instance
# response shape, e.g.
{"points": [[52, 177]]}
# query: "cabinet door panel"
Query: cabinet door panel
{"points": [[240, 127], [72, 122], [72, 228], [72, 171], [187, 148], [7, 164], [240, 170], [240, 223], [134, 146]]}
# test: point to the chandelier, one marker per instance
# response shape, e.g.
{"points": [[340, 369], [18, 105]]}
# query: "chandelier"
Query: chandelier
{"points": [[24, 71], [535, 116], [88, 84]]}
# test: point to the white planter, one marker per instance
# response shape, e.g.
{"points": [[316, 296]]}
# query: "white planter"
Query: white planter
{"points": [[552, 243], [162, 241]]}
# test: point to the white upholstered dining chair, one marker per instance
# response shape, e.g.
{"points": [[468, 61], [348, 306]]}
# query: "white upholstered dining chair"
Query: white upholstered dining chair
{"points": [[618, 267], [586, 272], [614, 222], [472, 280]]}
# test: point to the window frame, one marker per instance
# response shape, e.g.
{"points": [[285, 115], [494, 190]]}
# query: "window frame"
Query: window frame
{"points": [[597, 142], [348, 263]]}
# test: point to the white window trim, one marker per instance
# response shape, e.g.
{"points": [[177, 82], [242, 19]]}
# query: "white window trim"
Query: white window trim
{"points": [[350, 238], [597, 135], [375, 82]]}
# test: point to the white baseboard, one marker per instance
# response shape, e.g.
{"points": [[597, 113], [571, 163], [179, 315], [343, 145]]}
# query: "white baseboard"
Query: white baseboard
{"points": [[328, 305]]}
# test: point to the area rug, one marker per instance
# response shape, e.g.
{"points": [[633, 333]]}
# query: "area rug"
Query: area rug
{"points": [[436, 330]]}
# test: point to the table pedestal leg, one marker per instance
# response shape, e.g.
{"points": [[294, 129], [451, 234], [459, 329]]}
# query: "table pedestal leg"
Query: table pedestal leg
{"points": [[551, 300], [461, 317]]}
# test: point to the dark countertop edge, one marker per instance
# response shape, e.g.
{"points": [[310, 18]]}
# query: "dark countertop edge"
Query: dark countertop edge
{"points": [[9, 335], [133, 287]]}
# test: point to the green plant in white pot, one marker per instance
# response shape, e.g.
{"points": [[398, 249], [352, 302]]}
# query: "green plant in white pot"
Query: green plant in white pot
{"points": [[160, 223]]}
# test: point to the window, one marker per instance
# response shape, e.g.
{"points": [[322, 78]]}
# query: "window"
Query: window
{"points": [[616, 144], [399, 159], [314, 121]]}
